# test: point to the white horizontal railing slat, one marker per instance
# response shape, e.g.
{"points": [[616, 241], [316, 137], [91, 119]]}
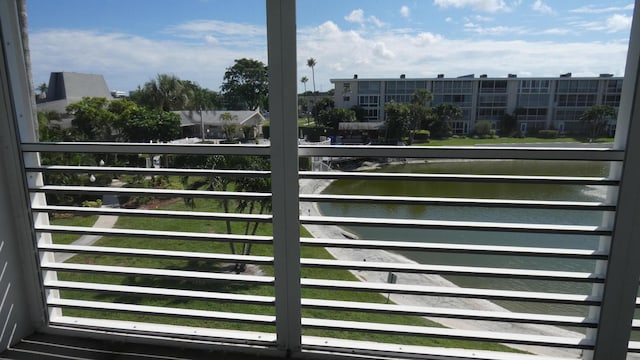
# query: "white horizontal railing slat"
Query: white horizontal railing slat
{"points": [[152, 291], [465, 152], [488, 294], [468, 314], [510, 179], [416, 200], [456, 248], [156, 234], [191, 215], [150, 192], [161, 311], [147, 171], [455, 270], [122, 270], [142, 148], [509, 338], [460, 225], [186, 255]]}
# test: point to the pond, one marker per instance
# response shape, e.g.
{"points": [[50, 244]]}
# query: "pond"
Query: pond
{"points": [[490, 191]]}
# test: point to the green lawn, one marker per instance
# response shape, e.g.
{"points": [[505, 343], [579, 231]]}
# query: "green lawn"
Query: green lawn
{"points": [[222, 247], [69, 220]]}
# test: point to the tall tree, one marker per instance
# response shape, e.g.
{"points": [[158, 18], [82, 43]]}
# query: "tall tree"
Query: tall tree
{"points": [[245, 84], [596, 118], [201, 99], [303, 98], [42, 88], [397, 120], [443, 114], [92, 120], [419, 114], [165, 92], [311, 62], [228, 127]]}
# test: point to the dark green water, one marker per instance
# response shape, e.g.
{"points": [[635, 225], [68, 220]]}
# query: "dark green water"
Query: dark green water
{"points": [[489, 190]]}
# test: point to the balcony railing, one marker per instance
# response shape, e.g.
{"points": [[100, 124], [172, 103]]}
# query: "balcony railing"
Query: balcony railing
{"points": [[438, 262], [102, 287]]}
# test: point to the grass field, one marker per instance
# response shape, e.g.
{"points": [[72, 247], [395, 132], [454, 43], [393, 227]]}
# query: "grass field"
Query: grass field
{"points": [[221, 247]]}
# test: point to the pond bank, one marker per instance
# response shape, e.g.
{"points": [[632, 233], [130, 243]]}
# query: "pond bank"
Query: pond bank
{"points": [[310, 209]]}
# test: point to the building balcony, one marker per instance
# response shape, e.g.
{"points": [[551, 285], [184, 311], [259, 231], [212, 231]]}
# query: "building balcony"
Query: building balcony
{"points": [[233, 251]]}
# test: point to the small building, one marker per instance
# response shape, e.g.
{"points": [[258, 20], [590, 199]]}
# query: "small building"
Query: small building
{"points": [[211, 124], [70, 87]]}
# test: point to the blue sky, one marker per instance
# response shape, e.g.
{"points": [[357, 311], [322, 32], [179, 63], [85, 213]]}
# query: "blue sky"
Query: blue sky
{"points": [[129, 42]]}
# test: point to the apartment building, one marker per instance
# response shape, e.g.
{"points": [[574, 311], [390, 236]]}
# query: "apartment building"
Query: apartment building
{"points": [[539, 102]]}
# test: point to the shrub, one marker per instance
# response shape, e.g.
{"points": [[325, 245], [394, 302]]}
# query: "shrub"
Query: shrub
{"points": [[94, 204], [483, 128], [548, 134], [422, 135]]}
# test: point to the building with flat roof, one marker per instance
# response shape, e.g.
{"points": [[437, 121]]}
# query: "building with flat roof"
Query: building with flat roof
{"points": [[538, 102]]}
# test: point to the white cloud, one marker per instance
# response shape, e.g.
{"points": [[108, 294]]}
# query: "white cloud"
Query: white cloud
{"points": [[541, 7], [494, 30], [380, 50], [480, 5], [424, 54], [591, 9], [375, 21], [426, 38], [127, 61], [198, 28], [404, 11], [618, 22], [612, 24], [356, 16]]}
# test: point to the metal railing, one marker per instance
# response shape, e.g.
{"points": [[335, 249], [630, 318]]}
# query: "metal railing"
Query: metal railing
{"points": [[105, 283]]}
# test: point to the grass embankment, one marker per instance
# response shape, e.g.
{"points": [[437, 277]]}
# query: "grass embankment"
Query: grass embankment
{"points": [[507, 140], [236, 288]]}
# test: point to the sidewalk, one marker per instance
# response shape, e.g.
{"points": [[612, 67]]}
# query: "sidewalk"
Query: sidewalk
{"points": [[103, 222]]}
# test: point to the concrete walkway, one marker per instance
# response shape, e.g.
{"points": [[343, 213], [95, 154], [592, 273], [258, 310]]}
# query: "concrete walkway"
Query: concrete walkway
{"points": [[103, 222], [335, 232]]}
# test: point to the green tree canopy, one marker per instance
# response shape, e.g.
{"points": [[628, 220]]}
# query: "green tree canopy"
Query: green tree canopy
{"points": [[166, 92], [596, 118], [419, 114], [397, 120], [139, 124], [91, 119], [332, 117], [443, 114], [245, 84], [324, 104]]}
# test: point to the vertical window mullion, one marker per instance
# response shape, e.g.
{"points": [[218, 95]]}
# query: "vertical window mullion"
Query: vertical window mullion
{"points": [[281, 44], [623, 269]]}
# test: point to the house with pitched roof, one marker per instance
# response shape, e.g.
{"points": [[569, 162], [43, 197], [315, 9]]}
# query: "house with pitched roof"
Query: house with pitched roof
{"points": [[221, 124]]}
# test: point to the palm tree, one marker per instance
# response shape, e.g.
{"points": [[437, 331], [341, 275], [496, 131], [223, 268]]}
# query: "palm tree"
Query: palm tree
{"points": [[166, 92], [304, 96], [311, 62], [43, 88]]}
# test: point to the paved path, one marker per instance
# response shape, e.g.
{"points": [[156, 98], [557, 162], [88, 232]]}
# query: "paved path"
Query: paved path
{"points": [[103, 221]]}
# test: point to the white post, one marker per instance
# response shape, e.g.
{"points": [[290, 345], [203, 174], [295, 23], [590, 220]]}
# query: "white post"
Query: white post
{"points": [[623, 268], [281, 40], [18, 255]]}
